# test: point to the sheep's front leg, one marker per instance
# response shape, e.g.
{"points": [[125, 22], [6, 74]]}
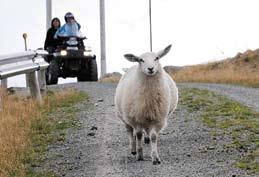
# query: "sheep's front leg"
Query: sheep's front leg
{"points": [[139, 134], [154, 154], [132, 139]]}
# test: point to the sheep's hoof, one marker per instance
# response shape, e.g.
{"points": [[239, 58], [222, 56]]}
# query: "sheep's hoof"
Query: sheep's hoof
{"points": [[140, 155], [133, 153], [140, 158], [156, 162], [147, 140]]}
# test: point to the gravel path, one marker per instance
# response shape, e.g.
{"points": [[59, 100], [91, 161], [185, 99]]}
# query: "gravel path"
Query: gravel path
{"points": [[101, 148], [244, 95]]}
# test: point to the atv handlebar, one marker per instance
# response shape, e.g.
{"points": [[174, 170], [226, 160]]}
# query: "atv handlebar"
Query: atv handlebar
{"points": [[66, 38]]}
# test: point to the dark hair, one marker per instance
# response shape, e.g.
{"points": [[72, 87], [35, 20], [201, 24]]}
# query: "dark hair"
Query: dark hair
{"points": [[54, 20]]}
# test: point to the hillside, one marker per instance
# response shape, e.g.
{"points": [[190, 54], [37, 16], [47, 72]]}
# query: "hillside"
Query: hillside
{"points": [[243, 69]]}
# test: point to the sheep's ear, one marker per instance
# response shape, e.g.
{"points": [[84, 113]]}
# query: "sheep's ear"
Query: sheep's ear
{"points": [[163, 52], [131, 57]]}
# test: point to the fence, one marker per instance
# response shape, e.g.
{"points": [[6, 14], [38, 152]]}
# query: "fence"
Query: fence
{"points": [[30, 63]]}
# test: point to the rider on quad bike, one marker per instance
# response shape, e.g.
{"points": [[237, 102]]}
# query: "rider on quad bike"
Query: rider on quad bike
{"points": [[71, 58]]}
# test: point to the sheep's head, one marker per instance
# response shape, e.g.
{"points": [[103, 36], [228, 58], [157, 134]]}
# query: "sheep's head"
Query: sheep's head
{"points": [[149, 62]]}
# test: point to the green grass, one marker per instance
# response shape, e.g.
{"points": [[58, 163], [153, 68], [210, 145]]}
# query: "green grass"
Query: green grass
{"points": [[226, 117], [56, 116]]}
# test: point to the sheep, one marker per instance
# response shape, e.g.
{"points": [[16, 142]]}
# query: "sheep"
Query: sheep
{"points": [[144, 97]]}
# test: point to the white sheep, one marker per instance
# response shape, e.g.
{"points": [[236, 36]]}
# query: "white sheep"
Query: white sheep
{"points": [[144, 97]]}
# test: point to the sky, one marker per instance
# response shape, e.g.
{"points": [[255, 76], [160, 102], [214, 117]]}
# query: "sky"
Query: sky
{"points": [[200, 31]]}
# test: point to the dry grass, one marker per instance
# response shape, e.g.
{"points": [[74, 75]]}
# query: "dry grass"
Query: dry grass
{"points": [[114, 79], [241, 70], [16, 118], [15, 121], [111, 78], [219, 72]]}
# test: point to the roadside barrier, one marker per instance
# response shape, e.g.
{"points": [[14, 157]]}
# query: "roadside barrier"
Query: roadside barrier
{"points": [[30, 63]]}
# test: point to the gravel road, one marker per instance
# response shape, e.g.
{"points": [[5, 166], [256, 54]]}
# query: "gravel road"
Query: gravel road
{"points": [[244, 95], [101, 148]]}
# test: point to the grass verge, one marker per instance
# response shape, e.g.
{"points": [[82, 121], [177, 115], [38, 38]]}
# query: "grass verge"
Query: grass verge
{"points": [[230, 119], [218, 73], [26, 129]]}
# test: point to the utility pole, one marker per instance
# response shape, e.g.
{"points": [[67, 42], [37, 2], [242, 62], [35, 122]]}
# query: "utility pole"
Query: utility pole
{"points": [[150, 25], [48, 13], [102, 37]]}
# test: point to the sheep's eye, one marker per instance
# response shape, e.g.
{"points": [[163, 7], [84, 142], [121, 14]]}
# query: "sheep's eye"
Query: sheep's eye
{"points": [[141, 60], [156, 58]]}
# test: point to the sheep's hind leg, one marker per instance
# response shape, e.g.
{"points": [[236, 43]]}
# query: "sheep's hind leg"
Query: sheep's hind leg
{"points": [[139, 134], [147, 137], [154, 154], [132, 139]]}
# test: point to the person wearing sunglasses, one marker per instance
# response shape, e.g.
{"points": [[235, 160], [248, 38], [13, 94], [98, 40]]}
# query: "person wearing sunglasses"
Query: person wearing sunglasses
{"points": [[71, 28]]}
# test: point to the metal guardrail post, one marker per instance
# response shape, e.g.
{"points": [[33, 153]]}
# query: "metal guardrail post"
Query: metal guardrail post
{"points": [[4, 83], [29, 63], [42, 72], [34, 86], [3, 88], [42, 82]]}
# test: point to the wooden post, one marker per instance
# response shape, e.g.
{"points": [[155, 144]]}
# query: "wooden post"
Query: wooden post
{"points": [[102, 37], [34, 86]]}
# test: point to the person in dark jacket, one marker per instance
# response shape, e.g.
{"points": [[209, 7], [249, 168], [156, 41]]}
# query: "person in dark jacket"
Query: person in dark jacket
{"points": [[51, 42]]}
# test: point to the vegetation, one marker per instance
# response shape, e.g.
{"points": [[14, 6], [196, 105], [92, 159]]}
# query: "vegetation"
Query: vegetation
{"points": [[27, 128], [241, 70], [111, 77], [230, 120]]}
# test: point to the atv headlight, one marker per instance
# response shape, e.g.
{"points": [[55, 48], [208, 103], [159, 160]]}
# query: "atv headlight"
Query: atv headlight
{"points": [[63, 52], [88, 51]]}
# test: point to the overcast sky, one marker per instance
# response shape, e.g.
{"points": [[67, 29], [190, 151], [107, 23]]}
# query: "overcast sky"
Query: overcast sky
{"points": [[199, 30]]}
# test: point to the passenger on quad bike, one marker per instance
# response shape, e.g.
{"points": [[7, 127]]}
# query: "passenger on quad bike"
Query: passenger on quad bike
{"points": [[50, 42], [71, 58]]}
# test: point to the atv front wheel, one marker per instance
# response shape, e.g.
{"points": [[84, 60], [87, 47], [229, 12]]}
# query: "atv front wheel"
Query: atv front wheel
{"points": [[89, 73], [93, 74], [52, 73]]}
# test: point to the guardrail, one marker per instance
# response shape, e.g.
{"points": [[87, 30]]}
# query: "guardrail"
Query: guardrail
{"points": [[30, 63]]}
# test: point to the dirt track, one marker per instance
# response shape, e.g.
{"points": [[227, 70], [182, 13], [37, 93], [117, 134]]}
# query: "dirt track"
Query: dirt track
{"points": [[100, 147]]}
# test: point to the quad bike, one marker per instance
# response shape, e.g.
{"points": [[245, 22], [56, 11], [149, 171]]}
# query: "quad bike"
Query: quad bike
{"points": [[71, 59]]}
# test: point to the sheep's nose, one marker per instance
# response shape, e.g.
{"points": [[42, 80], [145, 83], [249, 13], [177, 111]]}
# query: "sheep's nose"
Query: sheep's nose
{"points": [[150, 69]]}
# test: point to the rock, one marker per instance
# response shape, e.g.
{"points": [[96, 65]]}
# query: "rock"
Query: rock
{"points": [[91, 134], [211, 147], [94, 128], [100, 100]]}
